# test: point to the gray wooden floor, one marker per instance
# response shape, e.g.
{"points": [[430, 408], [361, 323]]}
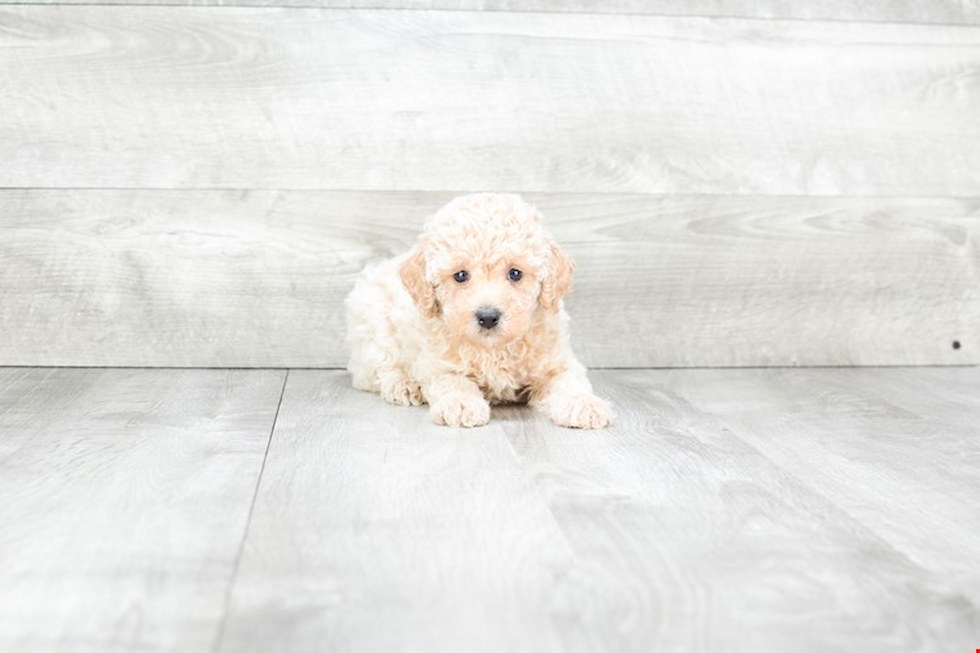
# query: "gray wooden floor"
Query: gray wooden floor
{"points": [[265, 510]]}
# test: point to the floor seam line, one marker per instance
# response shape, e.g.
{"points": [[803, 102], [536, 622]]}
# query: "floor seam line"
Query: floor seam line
{"points": [[248, 524]]}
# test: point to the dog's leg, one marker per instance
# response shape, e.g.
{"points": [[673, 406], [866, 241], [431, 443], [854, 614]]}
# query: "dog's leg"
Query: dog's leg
{"points": [[455, 400], [570, 401], [396, 388]]}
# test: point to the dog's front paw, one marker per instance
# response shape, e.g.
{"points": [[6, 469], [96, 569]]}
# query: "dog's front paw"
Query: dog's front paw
{"points": [[582, 412], [461, 411], [401, 391]]}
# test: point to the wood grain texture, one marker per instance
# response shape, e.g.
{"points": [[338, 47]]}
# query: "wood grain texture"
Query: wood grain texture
{"points": [[376, 531], [901, 456], [102, 96], [256, 279], [125, 500], [954, 12], [738, 510], [714, 547]]}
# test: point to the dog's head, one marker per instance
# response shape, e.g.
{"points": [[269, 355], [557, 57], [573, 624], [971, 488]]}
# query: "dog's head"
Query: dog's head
{"points": [[484, 265]]}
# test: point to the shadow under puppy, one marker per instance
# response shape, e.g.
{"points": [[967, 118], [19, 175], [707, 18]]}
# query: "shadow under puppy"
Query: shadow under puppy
{"points": [[472, 316]]}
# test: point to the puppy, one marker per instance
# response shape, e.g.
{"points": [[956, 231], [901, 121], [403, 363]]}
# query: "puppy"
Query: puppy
{"points": [[472, 316]]}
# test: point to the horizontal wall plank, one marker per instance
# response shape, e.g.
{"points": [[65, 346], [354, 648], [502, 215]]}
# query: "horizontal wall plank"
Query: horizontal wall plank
{"points": [[254, 279], [215, 97], [950, 12], [126, 496]]}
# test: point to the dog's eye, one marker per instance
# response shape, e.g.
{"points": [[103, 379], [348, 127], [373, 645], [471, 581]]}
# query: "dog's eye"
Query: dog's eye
{"points": [[461, 276], [515, 274]]}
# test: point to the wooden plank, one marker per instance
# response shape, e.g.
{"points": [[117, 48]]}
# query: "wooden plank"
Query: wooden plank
{"points": [[125, 500], [204, 97], [256, 279], [951, 12], [896, 449], [712, 547], [374, 530]]}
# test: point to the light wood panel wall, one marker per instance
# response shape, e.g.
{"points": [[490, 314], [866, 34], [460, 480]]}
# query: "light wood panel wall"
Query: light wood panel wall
{"points": [[954, 12], [256, 278], [165, 97], [737, 191]]}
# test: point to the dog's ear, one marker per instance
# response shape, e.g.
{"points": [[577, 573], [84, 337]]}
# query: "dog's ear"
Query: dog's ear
{"points": [[412, 273], [558, 278]]}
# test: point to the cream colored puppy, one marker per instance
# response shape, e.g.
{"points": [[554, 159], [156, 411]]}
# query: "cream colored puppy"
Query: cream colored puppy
{"points": [[472, 316]]}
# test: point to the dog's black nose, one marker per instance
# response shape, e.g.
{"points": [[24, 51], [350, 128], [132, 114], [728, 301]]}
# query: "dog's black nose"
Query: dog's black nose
{"points": [[487, 317]]}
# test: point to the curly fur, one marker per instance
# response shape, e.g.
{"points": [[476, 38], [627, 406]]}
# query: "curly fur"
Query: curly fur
{"points": [[414, 337]]}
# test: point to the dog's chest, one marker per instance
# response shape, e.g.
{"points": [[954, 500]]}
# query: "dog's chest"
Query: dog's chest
{"points": [[501, 381]]}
